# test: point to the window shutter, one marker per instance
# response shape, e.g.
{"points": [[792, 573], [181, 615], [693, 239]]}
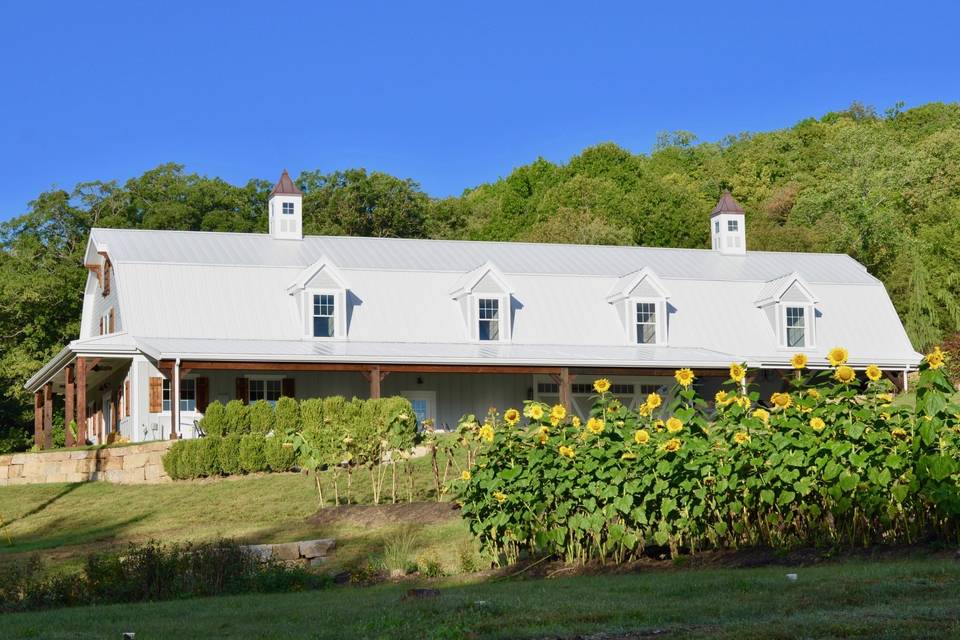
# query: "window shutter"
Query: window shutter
{"points": [[203, 394], [113, 321], [242, 390], [156, 394], [288, 387], [126, 398]]}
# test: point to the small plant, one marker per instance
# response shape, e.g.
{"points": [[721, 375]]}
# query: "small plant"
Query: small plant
{"points": [[429, 568], [398, 551]]}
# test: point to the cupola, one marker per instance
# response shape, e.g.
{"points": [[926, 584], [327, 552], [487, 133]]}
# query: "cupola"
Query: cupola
{"points": [[286, 210], [728, 229]]}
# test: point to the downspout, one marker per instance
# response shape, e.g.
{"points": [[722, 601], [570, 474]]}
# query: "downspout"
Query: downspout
{"points": [[175, 401]]}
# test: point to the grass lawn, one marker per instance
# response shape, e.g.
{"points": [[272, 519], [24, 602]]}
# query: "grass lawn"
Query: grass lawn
{"points": [[892, 599]]}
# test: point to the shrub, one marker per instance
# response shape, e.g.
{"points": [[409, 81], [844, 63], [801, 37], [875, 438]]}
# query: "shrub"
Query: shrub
{"points": [[206, 456], [173, 460], [237, 417], [15, 440], [288, 417], [252, 457], [214, 421], [261, 417], [279, 454], [829, 462], [228, 454]]}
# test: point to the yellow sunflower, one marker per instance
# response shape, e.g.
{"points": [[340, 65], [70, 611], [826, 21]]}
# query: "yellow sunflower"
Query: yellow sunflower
{"points": [[674, 425], [874, 373], [486, 433], [641, 436], [936, 358], [558, 412], [845, 374], [629, 455], [813, 393], [684, 377], [654, 400], [595, 426], [899, 433], [658, 425], [534, 411], [567, 452], [512, 417], [744, 402], [500, 496], [543, 433], [644, 410], [576, 422], [737, 372], [464, 475], [741, 437], [799, 361], [722, 398], [817, 424], [601, 386], [837, 356], [781, 400], [886, 398], [671, 445], [763, 415]]}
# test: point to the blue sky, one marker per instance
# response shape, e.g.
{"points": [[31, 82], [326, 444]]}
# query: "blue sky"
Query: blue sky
{"points": [[450, 93]]}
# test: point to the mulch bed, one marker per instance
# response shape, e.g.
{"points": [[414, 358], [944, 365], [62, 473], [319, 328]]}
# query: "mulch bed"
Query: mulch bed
{"points": [[370, 515]]}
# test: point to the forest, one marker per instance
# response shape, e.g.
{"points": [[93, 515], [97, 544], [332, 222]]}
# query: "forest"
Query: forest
{"points": [[881, 187]]}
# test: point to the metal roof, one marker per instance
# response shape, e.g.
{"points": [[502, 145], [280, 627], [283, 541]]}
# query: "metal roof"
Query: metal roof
{"points": [[285, 186], [727, 205]]}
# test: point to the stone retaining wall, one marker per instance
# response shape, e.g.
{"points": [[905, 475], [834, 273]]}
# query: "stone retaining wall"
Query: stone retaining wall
{"points": [[130, 464]]}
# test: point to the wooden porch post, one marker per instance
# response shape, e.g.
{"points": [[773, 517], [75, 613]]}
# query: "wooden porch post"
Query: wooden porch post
{"points": [[81, 400], [114, 410], [48, 415], [69, 398], [374, 377], [566, 389], [38, 419]]}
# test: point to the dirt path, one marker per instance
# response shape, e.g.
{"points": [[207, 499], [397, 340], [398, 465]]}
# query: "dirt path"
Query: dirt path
{"points": [[368, 515]]}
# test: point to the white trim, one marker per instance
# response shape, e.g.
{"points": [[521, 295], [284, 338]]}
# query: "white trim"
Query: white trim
{"points": [[424, 394]]}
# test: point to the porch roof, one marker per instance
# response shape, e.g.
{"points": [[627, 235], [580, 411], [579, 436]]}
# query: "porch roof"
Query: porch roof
{"points": [[117, 345]]}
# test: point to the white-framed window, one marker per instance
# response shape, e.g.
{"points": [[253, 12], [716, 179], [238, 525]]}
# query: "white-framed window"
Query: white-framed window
{"points": [[716, 226], [795, 327], [488, 318], [188, 395], [424, 404], [287, 208], [732, 225], [646, 322], [268, 389], [324, 315]]}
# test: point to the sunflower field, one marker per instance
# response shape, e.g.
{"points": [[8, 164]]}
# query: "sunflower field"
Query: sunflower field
{"points": [[829, 461]]}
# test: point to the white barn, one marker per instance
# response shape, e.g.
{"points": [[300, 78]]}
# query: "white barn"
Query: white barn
{"points": [[456, 326]]}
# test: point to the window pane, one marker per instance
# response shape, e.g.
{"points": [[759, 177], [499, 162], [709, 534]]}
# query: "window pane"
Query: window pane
{"points": [[272, 393], [420, 409], [795, 337], [489, 330], [323, 315], [796, 327], [731, 225], [256, 390], [646, 323], [489, 311], [322, 327], [166, 396]]}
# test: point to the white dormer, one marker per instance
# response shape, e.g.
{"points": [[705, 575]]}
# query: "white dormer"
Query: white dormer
{"points": [[286, 210], [791, 310], [640, 299], [321, 301], [728, 229], [486, 300]]}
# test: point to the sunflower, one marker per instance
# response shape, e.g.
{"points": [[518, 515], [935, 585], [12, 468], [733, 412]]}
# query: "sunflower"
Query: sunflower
{"points": [[886, 398], [781, 400], [899, 433], [837, 356], [817, 424], [567, 452], [464, 475], [558, 412], [741, 437], [671, 445], [534, 412], [737, 372], [813, 393], [629, 455], [845, 374], [684, 377], [644, 410], [874, 373], [722, 398], [542, 434], [486, 433], [674, 425], [576, 422], [763, 415], [799, 361], [595, 426], [658, 425], [601, 386], [641, 436], [936, 358], [512, 416], [500, 496], [654, 400], [744, 403]]}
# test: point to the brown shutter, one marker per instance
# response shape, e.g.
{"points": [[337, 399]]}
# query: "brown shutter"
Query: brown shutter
{"points": [[288, 388], [203, 394], [242, 390], [126, 398], [113, 321], [156, 395], [107, 268], [101, 327]]}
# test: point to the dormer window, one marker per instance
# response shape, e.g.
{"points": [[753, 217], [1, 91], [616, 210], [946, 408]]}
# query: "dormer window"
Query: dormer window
{"points": [[324, 315], [489, 318], [796, 327], [790, 306], [646, 323], [640, 299]]}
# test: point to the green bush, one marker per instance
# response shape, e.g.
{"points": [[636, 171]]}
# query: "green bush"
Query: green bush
{"points": [[287, 417], [214, 421], [830, 462], [15, 440], [261, 417], [252, 456], [279, 454], [172, 460], [206, 457], [228, 454], [237, 417]]}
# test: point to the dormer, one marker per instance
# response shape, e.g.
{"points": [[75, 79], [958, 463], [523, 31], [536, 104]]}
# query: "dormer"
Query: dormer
{"points": [[791, 310], [321, 296], [486, 300], [640, 299], [285, 208], [728, 229]]}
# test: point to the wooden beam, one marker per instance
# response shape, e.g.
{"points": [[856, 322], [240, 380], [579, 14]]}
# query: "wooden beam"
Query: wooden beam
{"points": [[566, 394], [69, 399], [81, 400], [38, 419], [374, 377], [95, 269], [90, 363], [641, 371], [48, 416]]}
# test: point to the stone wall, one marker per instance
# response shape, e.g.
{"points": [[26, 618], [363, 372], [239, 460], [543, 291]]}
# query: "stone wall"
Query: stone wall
{"points": [[129, 464]]}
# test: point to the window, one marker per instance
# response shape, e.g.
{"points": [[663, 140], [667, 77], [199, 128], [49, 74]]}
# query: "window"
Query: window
{"points": [[716, 226], [646, 323], [188, 395], [323, 315], [268, 390], [287, 208], [489, 310], [585, 389], [796, 327], [732, 225]]}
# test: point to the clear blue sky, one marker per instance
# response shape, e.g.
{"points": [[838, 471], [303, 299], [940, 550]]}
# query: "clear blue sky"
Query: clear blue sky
{"points": [[450, 93]]}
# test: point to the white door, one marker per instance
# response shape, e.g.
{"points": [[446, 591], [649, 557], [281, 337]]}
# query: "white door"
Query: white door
{"points": [[424, 404]]}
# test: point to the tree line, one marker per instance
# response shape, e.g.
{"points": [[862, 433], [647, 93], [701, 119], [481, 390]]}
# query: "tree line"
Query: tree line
{"points": [[881, 187]]}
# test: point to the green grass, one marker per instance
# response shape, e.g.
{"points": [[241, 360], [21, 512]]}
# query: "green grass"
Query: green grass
{"points": [[898, 599]]}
